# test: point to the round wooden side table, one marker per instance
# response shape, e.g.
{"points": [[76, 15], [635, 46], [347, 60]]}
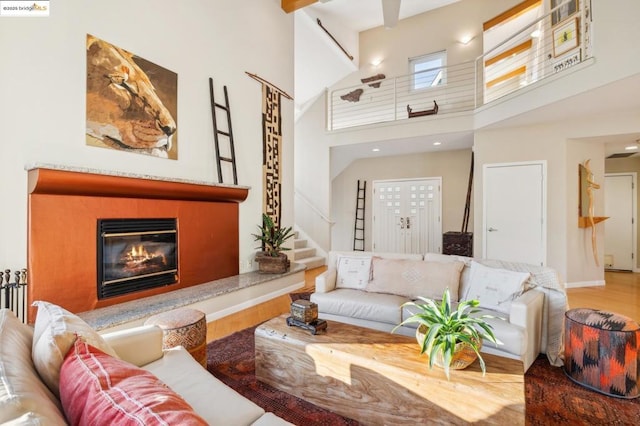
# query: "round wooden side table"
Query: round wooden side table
{"points": [[183, 327]]}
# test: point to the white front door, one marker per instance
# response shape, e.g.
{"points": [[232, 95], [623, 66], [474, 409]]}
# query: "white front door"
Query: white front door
{"points": [[514, 226], [406, 216], [619, 200]]}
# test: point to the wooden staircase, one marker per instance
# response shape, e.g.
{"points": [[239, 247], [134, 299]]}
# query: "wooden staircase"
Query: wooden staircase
{"points": [[306, 255]]}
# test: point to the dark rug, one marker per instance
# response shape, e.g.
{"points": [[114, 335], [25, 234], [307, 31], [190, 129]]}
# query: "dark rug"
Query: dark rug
{"points": [[551, 397]]}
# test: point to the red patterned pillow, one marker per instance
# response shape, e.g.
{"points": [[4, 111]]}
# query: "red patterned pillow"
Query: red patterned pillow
{"points": [[96, 388]]}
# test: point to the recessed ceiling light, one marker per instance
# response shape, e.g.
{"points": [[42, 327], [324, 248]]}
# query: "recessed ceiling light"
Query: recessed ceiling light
{"points": [[437, 143], [535, 34], [376, 150], [631, 147]]}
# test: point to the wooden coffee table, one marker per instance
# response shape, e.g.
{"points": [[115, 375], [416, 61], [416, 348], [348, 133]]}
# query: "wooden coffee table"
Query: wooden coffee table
{"points": [[381, 378]]}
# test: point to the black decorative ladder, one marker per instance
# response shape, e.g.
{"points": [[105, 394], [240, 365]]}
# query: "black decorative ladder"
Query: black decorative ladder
{"points": [[229, 134], [358, 231]]}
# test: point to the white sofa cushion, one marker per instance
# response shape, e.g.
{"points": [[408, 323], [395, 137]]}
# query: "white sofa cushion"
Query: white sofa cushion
{"points": [[512, 338], [214, 401], [361, 304], [412, 278], [54, 334], [495, 288], [24, 399], [353, 272]]}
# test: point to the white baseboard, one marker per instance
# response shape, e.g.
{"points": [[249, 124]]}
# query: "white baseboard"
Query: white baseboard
{"points": [[576, 284]]}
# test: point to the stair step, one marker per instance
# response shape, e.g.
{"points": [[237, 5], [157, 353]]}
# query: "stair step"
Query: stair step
{"points": [[302, 253], [312, 262], [299, 244]]}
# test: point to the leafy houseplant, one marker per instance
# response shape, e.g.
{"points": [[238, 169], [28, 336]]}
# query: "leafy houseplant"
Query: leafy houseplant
{"points": [[442, 331], [271, 259]]}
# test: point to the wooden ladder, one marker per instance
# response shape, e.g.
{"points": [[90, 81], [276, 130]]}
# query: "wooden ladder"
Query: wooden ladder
{"points": [[228, 134], [358, 231]]}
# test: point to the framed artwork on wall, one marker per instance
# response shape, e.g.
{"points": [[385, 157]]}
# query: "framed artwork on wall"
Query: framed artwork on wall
{"points": [[131, 102], [565, 37], [564, 11]]}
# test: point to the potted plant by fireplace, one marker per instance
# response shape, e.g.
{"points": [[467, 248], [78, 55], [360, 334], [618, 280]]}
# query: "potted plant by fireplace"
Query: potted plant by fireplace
{"points": [[271, 259], [451, 337]]}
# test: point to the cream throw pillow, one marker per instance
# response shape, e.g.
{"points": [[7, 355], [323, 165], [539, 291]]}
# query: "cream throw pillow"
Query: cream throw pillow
{"points": [[495, 288], [24, 399], [353, 272], [54, 333], [413, 278]]}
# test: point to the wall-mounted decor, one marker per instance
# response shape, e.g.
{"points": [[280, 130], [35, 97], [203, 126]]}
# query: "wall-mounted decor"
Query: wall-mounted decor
{"points": [[353, 96], [564, 11], [565, 37], [271, 152], [374, 81], [132, 104], [567, 61], [587, 218]]}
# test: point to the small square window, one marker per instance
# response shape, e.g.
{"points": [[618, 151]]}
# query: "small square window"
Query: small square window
{"points": [[428, 70]]}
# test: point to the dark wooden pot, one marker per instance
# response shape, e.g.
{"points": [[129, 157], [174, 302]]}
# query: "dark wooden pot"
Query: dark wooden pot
{"points": [[272, 265]]}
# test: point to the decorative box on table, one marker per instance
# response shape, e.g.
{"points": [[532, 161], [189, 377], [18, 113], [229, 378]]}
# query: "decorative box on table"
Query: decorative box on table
{"points": [[304, 311], [304, 314]]}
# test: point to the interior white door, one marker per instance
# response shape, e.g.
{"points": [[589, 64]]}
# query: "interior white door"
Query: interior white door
{"points": [[618, 229], [514, 212], [406, 216]]}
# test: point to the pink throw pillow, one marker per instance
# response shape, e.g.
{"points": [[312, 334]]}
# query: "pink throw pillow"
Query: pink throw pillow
{"points": [[96, 388]]}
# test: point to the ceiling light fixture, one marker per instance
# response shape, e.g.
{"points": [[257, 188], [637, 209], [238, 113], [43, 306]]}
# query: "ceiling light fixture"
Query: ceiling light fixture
{"points": [[376, 150], [536, 34], [376, 62], [631, 147], [437, 143], [466, 39]]}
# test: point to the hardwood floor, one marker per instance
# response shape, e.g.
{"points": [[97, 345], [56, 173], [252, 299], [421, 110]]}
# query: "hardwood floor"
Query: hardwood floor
{"points": [[621, 294]]}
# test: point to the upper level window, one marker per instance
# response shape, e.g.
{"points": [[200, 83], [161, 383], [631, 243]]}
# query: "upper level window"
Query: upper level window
{"points": [[428, 70]]}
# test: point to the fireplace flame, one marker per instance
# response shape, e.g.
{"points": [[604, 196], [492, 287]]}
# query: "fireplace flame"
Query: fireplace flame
{"points": [[138, 257]]}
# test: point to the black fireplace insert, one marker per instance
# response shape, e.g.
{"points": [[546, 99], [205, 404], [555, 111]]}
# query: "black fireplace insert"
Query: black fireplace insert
{"points": [[136, 254]]}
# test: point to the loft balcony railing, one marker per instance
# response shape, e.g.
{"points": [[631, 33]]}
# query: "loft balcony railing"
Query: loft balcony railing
{"points": [[550, 45]]}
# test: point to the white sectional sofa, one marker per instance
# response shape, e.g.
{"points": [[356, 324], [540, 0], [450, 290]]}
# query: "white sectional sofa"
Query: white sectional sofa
{"points": [[371, 295], [98, 388]]}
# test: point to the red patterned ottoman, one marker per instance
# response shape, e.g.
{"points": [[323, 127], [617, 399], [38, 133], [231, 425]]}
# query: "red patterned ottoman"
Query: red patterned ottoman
{"points": [[602, 352], [183, 327]]}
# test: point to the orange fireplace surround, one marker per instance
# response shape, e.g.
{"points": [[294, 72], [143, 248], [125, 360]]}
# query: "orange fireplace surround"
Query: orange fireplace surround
{"points": [[64, 208]]}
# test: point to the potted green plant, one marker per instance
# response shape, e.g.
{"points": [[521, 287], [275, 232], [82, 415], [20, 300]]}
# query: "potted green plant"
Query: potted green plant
{"points": [[271, 259], [451, 338]]}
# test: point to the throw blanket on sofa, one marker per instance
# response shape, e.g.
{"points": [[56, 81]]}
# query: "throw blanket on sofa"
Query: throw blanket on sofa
{"points": [[555, 304]]}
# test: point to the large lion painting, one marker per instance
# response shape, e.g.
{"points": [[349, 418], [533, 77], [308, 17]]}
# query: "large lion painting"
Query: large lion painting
{"points": [[131, 102]]}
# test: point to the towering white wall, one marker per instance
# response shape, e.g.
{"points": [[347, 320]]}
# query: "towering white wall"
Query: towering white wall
{"points": [[42, 95]]}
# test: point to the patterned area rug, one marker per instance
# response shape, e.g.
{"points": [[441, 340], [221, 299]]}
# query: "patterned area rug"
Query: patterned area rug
{"points": [[551, 397]]}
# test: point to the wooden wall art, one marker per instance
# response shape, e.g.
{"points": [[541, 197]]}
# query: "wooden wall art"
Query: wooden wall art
{"points": [[271, 148], [353, 96], [374, 81]]}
